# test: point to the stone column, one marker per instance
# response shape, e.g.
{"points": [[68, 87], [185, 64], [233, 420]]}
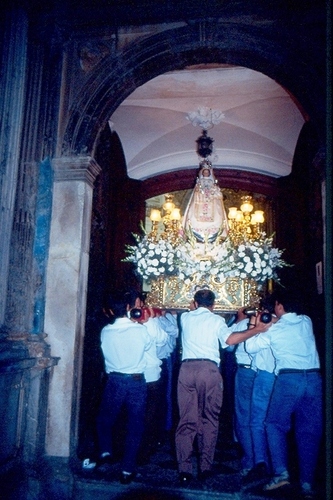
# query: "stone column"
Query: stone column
{"points": [[66, 290], [13, 76]]}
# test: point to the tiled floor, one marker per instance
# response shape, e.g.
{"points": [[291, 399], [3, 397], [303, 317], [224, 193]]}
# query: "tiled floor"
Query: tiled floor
{"points": [[156, 480]]}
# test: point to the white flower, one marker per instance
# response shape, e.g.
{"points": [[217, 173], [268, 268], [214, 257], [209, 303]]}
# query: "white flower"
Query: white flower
{"points": [[248, 267], [258, 260]]}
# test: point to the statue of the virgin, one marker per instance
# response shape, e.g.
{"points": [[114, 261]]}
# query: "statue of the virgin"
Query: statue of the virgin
{"points": [[205, 215]]}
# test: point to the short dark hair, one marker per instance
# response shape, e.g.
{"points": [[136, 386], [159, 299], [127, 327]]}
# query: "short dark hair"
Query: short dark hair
{"points": [[289, 300], [117, 302], [132, 295], [267, 303], [205, 298]]}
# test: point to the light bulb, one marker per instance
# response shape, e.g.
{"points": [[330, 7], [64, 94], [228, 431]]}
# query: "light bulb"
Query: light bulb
{"points": [[239, 216], [259, 216], [175, 214], [232, 213], [246, 206], [155, 215]]}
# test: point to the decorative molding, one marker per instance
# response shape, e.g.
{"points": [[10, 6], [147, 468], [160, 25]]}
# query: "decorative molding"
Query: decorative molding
{"points": [[92, 52], [227, 178], [205, 117], [224, 158], [76, 168]]}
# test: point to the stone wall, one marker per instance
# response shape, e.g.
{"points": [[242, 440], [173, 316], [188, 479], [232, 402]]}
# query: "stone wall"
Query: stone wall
{"points": [[25, 367]]}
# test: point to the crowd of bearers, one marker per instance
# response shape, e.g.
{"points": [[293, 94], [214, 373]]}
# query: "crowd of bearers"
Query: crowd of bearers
{"points": [[295, 393]]}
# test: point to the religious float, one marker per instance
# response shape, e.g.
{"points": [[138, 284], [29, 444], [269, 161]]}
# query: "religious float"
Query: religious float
{"points": [[229, 254]]}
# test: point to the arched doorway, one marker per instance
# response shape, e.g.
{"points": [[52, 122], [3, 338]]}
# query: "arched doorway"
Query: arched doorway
{"points": [[114, 80]]}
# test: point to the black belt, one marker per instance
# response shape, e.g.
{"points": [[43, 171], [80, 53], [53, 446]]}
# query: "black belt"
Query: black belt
{"points": [[188, 360], [295, 370], [240, 365], [135, 376]]}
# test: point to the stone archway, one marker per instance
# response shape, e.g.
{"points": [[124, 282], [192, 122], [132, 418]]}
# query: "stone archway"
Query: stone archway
{"points": [[256, 47]]}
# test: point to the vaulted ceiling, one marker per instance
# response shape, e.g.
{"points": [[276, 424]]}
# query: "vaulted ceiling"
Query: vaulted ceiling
{"points": [[258, 132]]}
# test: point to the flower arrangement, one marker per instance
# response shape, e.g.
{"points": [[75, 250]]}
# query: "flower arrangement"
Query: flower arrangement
{"points": [[257, 260], [152, 259], [212, 259]]}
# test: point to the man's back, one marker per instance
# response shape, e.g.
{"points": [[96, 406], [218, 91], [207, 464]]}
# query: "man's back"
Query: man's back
{"points": [[202, 331], [292, 341]]}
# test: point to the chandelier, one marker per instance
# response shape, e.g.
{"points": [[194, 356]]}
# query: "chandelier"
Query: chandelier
{"points": [[245, 226], [170, 216]]}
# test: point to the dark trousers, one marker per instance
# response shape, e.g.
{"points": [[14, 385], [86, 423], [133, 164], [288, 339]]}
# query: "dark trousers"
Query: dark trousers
{"points": [[298, 397], [131, 393], [244, 381], [200, 394], [152, 420]]}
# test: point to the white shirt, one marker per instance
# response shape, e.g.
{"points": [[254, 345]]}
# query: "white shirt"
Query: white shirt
{"points": [[123, 345], [292, 342], [242, 357], [264, 359], [158, 338], [202, 334], [168, 323]]}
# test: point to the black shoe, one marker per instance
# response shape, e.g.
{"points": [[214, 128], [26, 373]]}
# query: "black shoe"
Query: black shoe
{"points": [[88, 464], [280, 482], [204, 475], [307, 493], [258, 473], [185, 478], [104, 462], [126, 477], [143, 459]]}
